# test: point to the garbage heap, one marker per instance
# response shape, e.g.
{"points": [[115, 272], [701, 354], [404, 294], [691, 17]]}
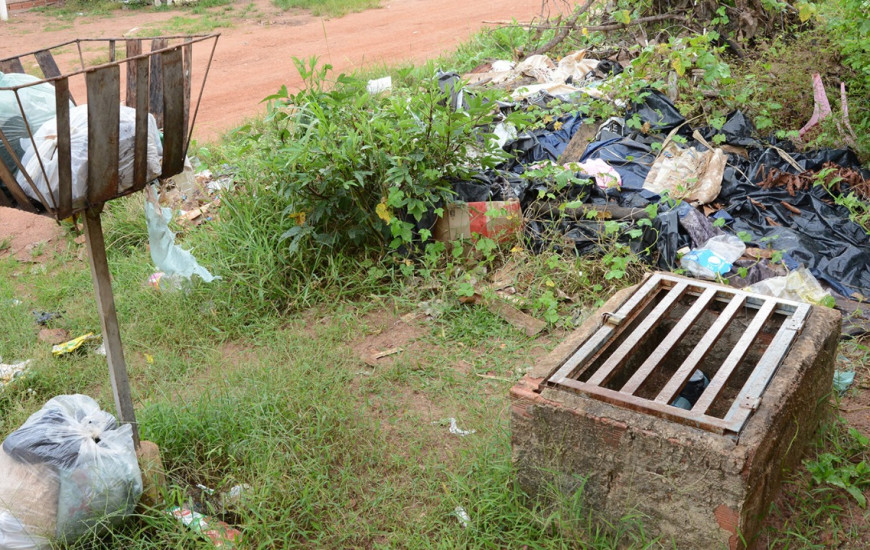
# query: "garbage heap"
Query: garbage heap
{"points": [[782, 202]]}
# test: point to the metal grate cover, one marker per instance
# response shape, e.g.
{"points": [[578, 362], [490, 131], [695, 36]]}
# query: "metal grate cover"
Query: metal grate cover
{"points": [[631, 361]]}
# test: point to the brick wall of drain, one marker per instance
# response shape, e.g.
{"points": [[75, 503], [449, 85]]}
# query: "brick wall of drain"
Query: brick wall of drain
{"points": [[693, 487]]}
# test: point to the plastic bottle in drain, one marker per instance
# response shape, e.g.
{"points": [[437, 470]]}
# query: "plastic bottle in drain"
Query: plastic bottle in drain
{"points": [[692, 391]]}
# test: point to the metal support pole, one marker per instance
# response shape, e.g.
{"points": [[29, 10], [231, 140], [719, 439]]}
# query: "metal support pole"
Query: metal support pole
{"points": [[109, 319]]}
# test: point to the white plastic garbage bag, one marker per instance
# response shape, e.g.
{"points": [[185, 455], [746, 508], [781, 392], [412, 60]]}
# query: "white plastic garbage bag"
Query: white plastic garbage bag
{"points": [[68, 470], [46, 151], [716, 257], [38, 104]]}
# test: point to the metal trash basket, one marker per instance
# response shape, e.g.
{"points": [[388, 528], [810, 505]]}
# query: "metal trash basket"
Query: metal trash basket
{"points": [[156, 81]]}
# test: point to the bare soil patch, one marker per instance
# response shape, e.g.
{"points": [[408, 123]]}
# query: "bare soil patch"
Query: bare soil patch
{"points": [[28, 237]]}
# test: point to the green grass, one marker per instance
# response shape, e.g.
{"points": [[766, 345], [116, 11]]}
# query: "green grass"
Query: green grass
{"points": [[328, 8], [257, 378]]}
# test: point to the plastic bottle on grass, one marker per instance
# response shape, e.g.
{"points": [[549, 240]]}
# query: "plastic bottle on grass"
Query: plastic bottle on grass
{"points": [[165, 283]]}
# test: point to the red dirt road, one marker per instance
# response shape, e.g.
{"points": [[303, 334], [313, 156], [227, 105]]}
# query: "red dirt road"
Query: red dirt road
{"points": [[254, 57]]}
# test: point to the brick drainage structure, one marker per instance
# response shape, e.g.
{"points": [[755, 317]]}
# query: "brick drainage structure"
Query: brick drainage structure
{"points": [[700, 478]]}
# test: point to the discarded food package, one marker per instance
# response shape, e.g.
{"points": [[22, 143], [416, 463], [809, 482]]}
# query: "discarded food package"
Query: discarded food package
{"points": [[714, 258], [72, 345], [45, 155], [11, 371], [218, 532], [37, 105], [687, 174], [494, 219], [70, 469]]}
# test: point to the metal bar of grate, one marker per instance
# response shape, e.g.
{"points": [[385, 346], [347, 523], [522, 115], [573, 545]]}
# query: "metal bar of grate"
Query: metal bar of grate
{"points": [[591, 346], [635, 328], [605, 372], [674, 336], [748, 398], [635, 403], [733, 359], [675, 384]]}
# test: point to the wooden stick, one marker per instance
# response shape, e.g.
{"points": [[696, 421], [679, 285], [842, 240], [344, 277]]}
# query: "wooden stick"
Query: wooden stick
{"points": [[109, 320]]}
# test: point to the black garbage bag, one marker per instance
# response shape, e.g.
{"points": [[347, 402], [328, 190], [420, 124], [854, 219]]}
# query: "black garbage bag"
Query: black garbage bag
{"points": [[491, 185], [738, 131], [656, 109], [631, 158], [542, 145]]}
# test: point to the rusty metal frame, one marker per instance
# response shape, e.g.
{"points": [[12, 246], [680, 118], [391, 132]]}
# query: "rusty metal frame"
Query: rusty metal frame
{"points": [[103, 84], [672, 288]]}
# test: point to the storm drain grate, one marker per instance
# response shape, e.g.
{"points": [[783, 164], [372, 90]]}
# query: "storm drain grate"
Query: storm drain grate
{"points": [[697, 353]]}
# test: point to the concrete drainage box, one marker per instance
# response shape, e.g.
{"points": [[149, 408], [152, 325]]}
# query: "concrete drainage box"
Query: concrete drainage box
{"points": [[683, 400]]}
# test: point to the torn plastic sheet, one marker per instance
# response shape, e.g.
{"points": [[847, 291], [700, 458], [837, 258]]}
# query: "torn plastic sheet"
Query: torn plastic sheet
{"points": [[807, 226], [542, 145], [799, 285], [168, 256], [658, 111], [843, 380]]}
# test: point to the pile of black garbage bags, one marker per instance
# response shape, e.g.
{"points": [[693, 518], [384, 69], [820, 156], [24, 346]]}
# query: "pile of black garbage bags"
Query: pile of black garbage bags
{"points": [[813, 231]]}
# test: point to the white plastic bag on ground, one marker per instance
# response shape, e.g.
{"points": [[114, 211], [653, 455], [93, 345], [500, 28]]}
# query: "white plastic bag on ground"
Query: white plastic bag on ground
{"points": [[714, 258], [799, 285], [68, 470], [687, 174], [46, 151], [169, 258]]}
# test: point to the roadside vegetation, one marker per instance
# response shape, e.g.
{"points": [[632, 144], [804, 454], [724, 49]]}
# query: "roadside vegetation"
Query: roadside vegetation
{"points": [[323, 249]]}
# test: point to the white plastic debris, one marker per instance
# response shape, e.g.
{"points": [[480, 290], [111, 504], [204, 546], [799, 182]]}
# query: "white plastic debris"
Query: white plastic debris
{"points": [[502, 65], [716, 257], [379, 85], [454, 428], [169, 258], [8, 372], [799, 285], [462, 516], [45, 155], [69, 470]]}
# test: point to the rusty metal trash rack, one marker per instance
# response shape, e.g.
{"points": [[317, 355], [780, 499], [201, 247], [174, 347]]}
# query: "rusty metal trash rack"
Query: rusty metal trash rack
{"points": [[158, 82]]}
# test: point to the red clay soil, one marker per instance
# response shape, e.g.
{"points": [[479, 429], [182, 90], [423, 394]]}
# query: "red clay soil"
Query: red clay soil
{"points": [[22, 233], [254, 57]]}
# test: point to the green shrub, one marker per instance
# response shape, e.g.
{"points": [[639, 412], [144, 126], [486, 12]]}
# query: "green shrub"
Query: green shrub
{"points": [[357, 170]]}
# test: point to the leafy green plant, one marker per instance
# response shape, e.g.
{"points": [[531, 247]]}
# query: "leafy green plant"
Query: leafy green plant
{"points": [[841, 470], [359, 169]]}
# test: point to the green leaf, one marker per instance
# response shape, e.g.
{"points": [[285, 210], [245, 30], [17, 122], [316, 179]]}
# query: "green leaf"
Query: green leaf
{"points": [[857, 494], [719, 222], [677, 64], [806, 11], [622, 16]]}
